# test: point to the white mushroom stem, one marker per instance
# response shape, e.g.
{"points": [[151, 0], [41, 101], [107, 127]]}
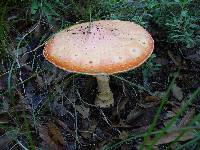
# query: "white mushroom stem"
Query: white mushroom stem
{"points": [[105, 96]]}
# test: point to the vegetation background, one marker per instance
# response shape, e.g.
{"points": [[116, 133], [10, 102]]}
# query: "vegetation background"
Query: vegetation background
{"points": [[157, 106]]}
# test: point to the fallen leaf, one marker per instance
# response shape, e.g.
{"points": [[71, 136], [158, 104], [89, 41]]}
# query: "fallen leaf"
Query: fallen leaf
{"points": [[170, 137], [187, 118], [148, 105], [83, 111], [55, 133], [4, 119], [59, 109], [4, 141], [122, 103], [151, 99], [7, 138], [100, 145], [123, 135], [177, 92], [159, 94], [169, 114], [40, 81], [48, 142], [88, 132], [133, 115], [65, 127], [72, 98]]}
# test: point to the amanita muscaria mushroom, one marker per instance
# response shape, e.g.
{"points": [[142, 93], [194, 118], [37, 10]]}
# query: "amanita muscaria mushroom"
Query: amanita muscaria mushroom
{"points": [[100, 48]]}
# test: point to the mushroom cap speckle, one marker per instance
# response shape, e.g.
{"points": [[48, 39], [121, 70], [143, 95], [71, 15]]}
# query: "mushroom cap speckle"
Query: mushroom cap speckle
{"points": [[100, 47]]}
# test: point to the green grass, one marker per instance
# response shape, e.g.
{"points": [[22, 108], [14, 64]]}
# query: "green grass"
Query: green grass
{"points": [[173, 120], [163, 102], [167, 129]]}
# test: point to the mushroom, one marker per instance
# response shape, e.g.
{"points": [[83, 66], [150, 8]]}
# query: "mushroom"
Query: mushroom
{"points": [[100, 48]]}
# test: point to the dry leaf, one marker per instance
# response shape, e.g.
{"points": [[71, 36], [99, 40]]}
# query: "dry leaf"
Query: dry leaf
{"points": [[100, 145], [123, 135], [148, 105], [4, 141], [59, 109], [170, 137], [52, 137], [7, 138], [177, 92], [151, 99], [133, 115], [4, 119], [122, 103], [65, 127], [159, 94], [47, 142], [88, 133], [40, 81], [187, 118], [55, 133], [83, 111], [169, 114]]}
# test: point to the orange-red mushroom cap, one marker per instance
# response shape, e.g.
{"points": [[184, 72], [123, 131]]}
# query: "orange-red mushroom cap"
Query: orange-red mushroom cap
{"points": [[100, 47]]}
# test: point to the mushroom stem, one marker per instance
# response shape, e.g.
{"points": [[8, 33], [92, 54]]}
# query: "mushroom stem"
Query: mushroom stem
{"points": [[105, 96]]}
